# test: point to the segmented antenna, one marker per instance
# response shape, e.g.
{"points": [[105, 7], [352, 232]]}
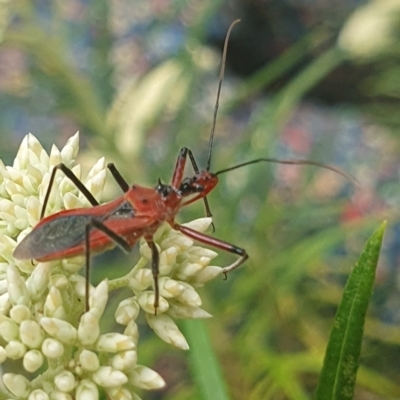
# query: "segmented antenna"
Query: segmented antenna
{"points": [[221, 78]]}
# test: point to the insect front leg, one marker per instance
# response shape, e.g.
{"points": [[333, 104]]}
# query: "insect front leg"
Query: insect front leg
{"points": [[178, 175], [217, 243], [96, 224], [69, 174], [155, 262], [123, 184]]}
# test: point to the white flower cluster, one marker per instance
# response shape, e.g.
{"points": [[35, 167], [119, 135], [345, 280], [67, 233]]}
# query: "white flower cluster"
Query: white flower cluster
{"points": [[41, 320]]}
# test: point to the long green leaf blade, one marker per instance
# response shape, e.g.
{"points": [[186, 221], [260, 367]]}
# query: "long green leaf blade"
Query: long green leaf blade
{"points": [[338, 375], [204, 363]]}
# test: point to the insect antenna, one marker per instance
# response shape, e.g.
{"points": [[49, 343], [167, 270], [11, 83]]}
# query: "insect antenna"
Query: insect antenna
{"points": [[292, 162], [221, 78]]}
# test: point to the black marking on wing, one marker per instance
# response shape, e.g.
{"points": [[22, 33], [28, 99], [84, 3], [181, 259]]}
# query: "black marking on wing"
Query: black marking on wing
{"points": [[63, 233]]}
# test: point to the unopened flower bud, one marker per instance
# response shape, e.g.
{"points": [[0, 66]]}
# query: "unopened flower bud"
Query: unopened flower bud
{"points": [[9, 330], [33, 360], [121, 393], [86, 390], [54, 306], [127, 311], [17, 384], [170, 288], [205, 275], [146, 301], [132, 331], [98, 298], [38, 394], [89, 360], [124, 360], [65, 381], [109, 377], [59, 329], [141, 280], [15, 349], [146, 378], [3, 354], [167, 330], [38, 281], [20, 313], [89, 329], [31, 334], [58, 395], [17, 288], [52, 348], [113, 342], [189, 296], [179, 310]]}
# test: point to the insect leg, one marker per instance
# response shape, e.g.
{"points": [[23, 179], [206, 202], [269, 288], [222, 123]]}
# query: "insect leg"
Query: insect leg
{"points": [[155, 261], [95, 224], [69, 174], [178, 174], [205, 200], [123, 184], [217, 243]]}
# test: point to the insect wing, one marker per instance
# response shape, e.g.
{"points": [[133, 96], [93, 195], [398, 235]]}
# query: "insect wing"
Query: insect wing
{"points": [[53, 236]]}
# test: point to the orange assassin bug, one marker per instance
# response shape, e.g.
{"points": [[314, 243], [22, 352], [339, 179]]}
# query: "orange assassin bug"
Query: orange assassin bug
{"points": [[138, 213]]}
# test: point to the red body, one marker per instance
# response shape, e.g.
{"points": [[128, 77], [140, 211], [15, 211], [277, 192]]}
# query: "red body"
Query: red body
{"points": [[139, 212]]}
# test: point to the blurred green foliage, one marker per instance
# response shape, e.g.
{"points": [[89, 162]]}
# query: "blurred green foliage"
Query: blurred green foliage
{"points": [[273, 316]]}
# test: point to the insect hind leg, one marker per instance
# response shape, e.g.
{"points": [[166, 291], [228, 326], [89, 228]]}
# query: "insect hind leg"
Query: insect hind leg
{"points": [[120, 241], [69, 174], [217, 243]]}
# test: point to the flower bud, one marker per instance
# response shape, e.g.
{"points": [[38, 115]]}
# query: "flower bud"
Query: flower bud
{"points": [[200, 224], [146, 378], [187, 270], [86, 390], [120, 393], [179, 310], [58, 395], [16, 288], [3, 354], [38, 281], [15, 349], [17, 384], [20, 313], [9, 330], [113, 342], [65, 381], [59, 329], [89, 360], [167, 330], [127, 311], [98, 298], [5, 304], [38, 394], [31, 334], [125, 360], [141, 280], [170, 288], [189, 296], [54, 306], [205, 275], [132, 331], [88, 329], [33, 360], [146, 301], [52, 348], [109, 377]]}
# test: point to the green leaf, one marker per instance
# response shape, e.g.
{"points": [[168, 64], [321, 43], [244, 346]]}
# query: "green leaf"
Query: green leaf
{"points": [[338, 375], [203, 361]]}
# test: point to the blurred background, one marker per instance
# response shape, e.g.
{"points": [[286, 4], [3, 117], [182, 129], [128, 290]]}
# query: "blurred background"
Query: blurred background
{"points": [[305, 79]]}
